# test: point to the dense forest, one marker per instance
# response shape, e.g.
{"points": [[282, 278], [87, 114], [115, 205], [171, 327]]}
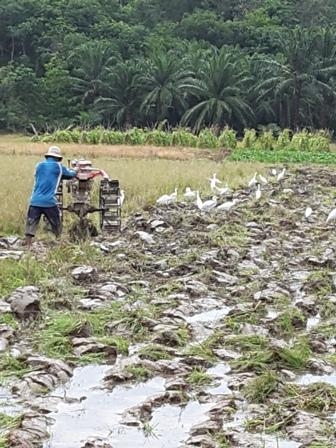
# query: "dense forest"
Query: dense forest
{"points": [[192, 63]]}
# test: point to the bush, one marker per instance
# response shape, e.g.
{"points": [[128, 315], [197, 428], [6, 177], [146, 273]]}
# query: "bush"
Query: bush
{"points": [[228, 138], [303, 141], [250, 139], [182, 137], [207, 139]]}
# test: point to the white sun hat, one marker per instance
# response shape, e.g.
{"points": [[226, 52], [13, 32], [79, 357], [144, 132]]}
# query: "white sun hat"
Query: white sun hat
{"points": [[54, 151]]}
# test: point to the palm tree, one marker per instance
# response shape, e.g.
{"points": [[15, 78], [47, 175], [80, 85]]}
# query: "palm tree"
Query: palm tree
{"points": [[121, 98], [219, 93], [90, 63], [166, 84], [298, 81]]}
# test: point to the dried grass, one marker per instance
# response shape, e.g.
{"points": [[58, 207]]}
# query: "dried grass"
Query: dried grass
{"points": [[143, 178]]}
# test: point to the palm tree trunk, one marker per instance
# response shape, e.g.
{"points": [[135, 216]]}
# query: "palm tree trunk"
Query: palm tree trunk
{"points": [[296, 103], [128, 119]]}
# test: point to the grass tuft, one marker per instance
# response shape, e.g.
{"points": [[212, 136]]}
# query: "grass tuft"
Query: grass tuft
{"points": [[199, 377], [262, 386]]}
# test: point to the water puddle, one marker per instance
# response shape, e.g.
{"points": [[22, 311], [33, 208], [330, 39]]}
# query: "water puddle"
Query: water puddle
{"points": [[8, 404], [307, 379], [209, 316], [268, 441], [168, 427], [237, 424], [101, 412], [203, 323], [220, 387]]}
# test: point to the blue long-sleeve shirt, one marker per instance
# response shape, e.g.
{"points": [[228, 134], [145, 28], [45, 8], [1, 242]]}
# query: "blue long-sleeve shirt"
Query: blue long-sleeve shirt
{"points": [[48, 175]]}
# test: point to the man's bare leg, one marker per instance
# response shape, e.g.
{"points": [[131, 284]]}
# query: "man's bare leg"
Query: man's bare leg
{"points": [[28, 241]]}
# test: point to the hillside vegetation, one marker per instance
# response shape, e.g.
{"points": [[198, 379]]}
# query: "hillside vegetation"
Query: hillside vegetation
{"points": [[120, 64]]}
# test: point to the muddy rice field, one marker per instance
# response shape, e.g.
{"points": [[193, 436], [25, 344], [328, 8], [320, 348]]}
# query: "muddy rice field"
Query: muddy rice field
{"points": [[208, 329]]}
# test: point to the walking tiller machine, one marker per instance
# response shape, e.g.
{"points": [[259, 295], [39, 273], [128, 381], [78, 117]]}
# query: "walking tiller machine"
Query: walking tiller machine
{"points": [[80, 191]]}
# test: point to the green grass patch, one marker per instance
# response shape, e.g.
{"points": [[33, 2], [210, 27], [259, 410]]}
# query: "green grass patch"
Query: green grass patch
{"points": [[27, 271], [229, 234], [262, 356], [9, 319], [256, 360], [183, 336], [319, 283], [91, 358], [154, 352], [4, 442], [12, 367], [120, 343], [262, 386], [202, 350], [317, 397], [139, 373], [54, 337], [290, 320], [283, 156], [248, 343], [295, 357], [199, 377], [8, 421]]}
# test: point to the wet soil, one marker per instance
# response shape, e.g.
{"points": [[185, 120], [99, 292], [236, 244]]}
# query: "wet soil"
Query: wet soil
{"points": [[230, 322]]}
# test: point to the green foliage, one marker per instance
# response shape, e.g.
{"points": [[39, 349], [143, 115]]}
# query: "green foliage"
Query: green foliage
{"points": [[264, 147], [296, 357], [290, 319], [14, 274], [136, 63], [317, 397], [139, 372], [283, 156], [11, 367], [8, 421], [202, 350], [262, 386], [228, 138], [249, 140], [154, 352], [199, 377]]}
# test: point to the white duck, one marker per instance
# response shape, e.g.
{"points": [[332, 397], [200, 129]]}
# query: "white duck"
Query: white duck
{"points": [[167, 198], [189, 194], [214, 181], [122, 197], [331, 216], [174, 195], [222, 191], [207, 205], [226, 206], [281, 175], [308, 212], [263, 179], [258, 193], [253, 181], [273, 172]]}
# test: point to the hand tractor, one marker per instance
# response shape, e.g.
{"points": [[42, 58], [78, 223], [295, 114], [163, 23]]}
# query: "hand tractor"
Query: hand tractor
{"points": [[79, 191]]}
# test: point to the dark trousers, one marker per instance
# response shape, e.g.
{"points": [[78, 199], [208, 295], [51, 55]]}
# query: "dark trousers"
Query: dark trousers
{"points": [[34, 215]]}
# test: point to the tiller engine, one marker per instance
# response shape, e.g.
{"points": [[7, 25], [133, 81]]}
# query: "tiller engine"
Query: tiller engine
{"points": [[80, 191]]}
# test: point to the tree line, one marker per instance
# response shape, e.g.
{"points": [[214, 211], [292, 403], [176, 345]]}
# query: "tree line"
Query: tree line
{"points": [[191, 63]]}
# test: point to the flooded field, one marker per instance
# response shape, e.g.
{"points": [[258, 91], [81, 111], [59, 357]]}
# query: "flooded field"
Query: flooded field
{"points": [[188, 329]]}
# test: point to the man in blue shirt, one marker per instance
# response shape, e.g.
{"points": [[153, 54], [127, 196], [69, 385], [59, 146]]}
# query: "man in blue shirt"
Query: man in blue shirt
{"points": [[48, 175]]}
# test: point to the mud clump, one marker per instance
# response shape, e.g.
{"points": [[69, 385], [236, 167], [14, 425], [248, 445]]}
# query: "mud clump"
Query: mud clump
{"points": [[25, 302]]}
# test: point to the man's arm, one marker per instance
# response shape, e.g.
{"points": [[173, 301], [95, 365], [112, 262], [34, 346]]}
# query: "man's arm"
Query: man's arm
{"points": [[68, 174]]}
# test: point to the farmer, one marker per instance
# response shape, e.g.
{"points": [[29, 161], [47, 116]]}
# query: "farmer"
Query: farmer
{"points": [[48, 175]]}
